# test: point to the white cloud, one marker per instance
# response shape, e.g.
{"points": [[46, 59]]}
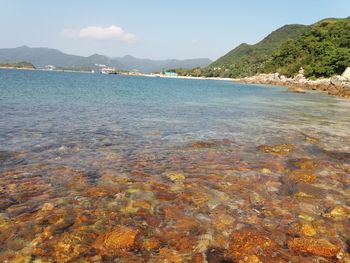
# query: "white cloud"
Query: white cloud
{"points": [[100, 33]]}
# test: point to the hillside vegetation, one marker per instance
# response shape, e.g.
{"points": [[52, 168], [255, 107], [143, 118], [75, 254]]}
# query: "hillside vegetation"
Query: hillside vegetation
{"points": [[322, 49], [247, 59]]}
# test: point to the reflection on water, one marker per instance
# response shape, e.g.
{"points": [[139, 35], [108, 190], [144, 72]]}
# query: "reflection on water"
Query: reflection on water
{"points": [[129, 169]]}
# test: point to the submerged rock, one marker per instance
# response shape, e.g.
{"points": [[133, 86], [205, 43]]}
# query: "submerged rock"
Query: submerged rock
{"points": [[280, 149], [200, 145], [5, 155], [311, 139], [175, 176], [151, 244], [304, 190], [170, 255], [215, 255], [303, 163], [339, 212], [302, 176], [296, 90], [119, 239], [210, 144], [7, 229], [250, 243], [308, 229], [71, 245], [314, 246]]}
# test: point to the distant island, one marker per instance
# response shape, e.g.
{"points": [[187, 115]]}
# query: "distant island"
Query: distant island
{"points": [[18, 65]]}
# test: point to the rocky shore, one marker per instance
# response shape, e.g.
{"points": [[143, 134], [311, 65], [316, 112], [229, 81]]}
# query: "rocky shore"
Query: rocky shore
{"points": [[336, 85]]}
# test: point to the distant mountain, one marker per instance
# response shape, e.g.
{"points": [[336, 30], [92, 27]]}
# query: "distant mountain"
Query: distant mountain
{"points": [[148, 65], [40, 57], [246, 60]]}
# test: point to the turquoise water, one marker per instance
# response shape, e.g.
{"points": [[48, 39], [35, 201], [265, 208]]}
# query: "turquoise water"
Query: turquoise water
{"points": [[98, 144]]}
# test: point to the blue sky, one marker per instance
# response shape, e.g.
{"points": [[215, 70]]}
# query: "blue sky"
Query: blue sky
{"points": [[154, 29]]}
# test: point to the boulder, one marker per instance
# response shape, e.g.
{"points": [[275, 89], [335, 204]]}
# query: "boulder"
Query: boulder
{"points": [[346, 73], [300, 77], [321, 84], [338, 80], [283, 78], [333, 90]]}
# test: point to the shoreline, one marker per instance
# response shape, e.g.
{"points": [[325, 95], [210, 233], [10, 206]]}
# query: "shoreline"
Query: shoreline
{"points": [[18, 68], [181, 77], [335, 86]]}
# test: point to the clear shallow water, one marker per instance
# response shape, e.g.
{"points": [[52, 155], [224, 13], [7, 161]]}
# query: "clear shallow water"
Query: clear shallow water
{"points": [[106, 147]]}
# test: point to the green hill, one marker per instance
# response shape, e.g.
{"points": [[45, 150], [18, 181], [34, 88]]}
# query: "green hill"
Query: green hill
{"points": [[246, 60], [323, 50]]}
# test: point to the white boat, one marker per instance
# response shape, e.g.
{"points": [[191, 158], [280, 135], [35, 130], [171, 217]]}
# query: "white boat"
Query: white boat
{"points": [[109, 71]]}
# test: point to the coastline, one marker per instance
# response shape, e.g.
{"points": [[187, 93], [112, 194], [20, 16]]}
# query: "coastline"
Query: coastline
{"points": [[335, 86], [18, 68], [180, 77]]}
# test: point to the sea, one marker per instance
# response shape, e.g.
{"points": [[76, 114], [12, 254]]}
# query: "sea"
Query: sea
{"points": [[117, 168]]}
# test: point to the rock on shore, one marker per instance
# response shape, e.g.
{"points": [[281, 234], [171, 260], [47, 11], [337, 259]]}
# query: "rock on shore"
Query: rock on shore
{"points": [[336, 85]]}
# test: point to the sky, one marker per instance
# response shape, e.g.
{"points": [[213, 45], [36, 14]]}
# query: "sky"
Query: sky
{"points": [[154, 29]]}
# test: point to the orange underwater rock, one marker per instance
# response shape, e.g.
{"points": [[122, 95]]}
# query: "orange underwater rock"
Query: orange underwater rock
{"points": [[71, 245], [314, 246], [119, 239], [302, 176], [304, 163], [151, 244], [248, 243]]}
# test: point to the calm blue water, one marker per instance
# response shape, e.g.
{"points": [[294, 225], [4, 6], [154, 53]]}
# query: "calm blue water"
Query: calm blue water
{"points": [[41, 112]]}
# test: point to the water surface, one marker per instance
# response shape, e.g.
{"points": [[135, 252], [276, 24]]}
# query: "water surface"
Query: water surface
{"points": [[85, 155]]}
